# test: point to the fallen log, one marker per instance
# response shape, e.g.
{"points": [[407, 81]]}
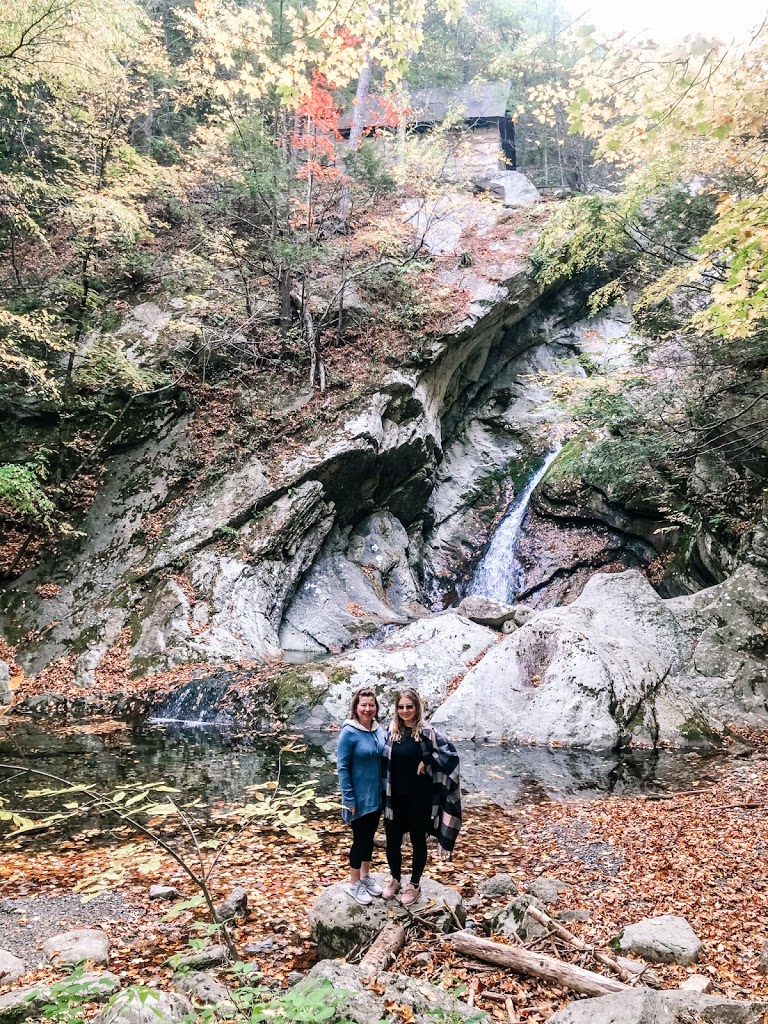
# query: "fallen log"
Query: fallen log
{"points": [[537, 965], [383, 949], [602, 958]]}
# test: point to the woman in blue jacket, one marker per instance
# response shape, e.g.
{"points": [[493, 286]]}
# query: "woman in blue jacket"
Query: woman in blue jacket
{"points": [[361, 744]]}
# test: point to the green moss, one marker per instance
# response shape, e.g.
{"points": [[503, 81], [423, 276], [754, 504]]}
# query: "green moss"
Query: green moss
{"points": [[288, 691], [85, 640], [340, 675], [696, 730], [615, 942]]}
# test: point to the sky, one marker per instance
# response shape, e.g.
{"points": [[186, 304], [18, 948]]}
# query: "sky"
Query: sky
{"points": [[668, 20]]}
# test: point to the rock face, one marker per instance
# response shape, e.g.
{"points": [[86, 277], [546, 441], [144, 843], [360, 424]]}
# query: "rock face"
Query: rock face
{"points": [[361, 1005], [622, 666], [643, 1006], [83, 945], [339, 924], [175, 568], [361, 580], [661, 940]]}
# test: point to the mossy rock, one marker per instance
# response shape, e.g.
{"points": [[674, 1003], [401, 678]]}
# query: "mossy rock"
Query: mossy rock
{"points": [[292, 690]]}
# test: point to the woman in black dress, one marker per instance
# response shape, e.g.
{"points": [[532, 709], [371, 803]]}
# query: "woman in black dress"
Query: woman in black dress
{"points": [[421, 792]]}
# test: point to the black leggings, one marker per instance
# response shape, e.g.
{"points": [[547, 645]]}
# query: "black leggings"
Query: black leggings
{"points": [[409, 816], [363, 831]]}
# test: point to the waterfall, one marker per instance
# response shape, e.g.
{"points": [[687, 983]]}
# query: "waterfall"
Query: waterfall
{"points": [[195, 703], [498, 572]]}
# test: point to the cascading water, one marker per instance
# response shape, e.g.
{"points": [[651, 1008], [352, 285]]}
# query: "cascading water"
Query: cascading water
{"points": [[195, 703], [498, 573]]}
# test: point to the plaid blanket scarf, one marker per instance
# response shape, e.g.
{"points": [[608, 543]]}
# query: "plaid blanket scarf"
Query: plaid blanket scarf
{"points": [[441, 761]]}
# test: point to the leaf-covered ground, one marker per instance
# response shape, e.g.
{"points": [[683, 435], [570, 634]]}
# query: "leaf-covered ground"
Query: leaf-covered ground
{"points": [[695, 854]]}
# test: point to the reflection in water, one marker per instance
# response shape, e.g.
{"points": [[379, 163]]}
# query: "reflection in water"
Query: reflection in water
{"points": [[218, 766]]}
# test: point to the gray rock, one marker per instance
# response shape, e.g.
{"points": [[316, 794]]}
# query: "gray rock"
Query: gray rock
{"points": [[513, 188], [339, 924], [697, 983], [427, 655], [214, 956], [22, 1003], [202, 988], [486, 611], [5, 684], [145, 1007], [573, 915], [360, 1005], [261, 946], [499, 885], [361, 579], [523, 614], [235, 906], [661, 940], [515, 921], [643, 1006], [11, 967], [548, 890], [588, 674], [637, 967], [81, 945], [164, 892], [294, 978]]}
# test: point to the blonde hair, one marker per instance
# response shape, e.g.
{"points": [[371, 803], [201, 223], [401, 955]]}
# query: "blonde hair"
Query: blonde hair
{"points": [[363, 691], [398, 726]]}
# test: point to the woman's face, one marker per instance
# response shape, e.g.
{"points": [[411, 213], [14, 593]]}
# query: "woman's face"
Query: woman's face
{"points": [[366, 710], [407, 711]]}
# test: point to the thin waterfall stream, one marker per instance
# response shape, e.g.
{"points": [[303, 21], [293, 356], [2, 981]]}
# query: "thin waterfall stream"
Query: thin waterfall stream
{"points": [[497, 574]]}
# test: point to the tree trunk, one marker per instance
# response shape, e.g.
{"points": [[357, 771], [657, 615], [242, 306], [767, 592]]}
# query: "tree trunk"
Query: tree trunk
{"points": [[602, 958], [356, 132], [384, 949], [536, 964]]}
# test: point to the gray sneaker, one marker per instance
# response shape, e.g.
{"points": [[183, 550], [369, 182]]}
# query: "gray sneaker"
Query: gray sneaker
{"points": [[360, 893], [371, 885]]}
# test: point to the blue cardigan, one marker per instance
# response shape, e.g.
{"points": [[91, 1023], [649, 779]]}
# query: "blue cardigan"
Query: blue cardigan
{"points": [[358, 757]]}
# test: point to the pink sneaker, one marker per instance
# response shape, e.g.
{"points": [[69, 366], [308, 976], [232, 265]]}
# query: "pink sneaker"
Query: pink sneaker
{"points": [[411, 893], [390, 888]]}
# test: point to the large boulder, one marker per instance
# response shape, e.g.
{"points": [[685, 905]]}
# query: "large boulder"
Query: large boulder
{"points": [[667, 939], [584, 675], [339, 924], [427, 655], [512, 187], [395, 999], [81, 945], [486, 611], [643, 1006]]}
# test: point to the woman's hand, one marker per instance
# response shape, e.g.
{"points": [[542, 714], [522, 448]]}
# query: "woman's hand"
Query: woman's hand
{"points": [[350, 809], [421, 769]]}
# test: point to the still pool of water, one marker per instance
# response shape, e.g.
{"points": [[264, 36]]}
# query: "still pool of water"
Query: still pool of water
{"points": [[217, 766]]}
